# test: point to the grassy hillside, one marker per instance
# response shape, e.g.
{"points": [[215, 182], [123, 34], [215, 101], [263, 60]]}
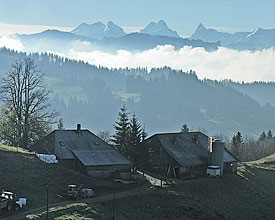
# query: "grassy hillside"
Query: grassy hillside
{"points": [[24, 174], [266, 162], [248, 195]]}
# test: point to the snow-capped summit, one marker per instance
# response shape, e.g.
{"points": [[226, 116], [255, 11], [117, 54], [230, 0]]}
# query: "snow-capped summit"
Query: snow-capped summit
{"points": [[212, 35], [113, 30], [263, 37], [99, 30], [159, 28]]}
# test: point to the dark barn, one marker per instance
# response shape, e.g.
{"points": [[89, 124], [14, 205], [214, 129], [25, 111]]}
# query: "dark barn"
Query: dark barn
{"points": [[183, 154], [83, 150]]}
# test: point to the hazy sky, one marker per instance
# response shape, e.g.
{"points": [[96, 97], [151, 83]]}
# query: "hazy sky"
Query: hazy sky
{"points": [[181, 15], [29, 16]]}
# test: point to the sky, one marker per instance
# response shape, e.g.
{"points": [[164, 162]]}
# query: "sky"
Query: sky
{"points": [[32, 16], [181, 15]]}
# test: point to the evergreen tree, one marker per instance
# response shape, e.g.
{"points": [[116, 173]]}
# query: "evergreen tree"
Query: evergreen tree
{"points": [[121, 127], [134, 140], [263, 137], [143, 134], [269, 134], [60, 125], [239, 138], [184, 128], [237, 144], [143, 150]]}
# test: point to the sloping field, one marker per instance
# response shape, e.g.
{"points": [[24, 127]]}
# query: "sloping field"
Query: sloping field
{"points": [[247, 195], [24, 174]]}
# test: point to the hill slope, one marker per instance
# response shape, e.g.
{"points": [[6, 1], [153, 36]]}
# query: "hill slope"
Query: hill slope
{"points": [[246, 195], [24, 174], [164, 99]]}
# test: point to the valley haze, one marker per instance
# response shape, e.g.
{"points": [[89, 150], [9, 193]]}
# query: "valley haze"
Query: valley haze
{"points": [[240, 62]]}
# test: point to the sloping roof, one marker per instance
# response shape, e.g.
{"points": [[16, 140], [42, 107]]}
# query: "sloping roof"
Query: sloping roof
{"points": [[87, 147], [189, 149], [183, 149], [100, 157], [228, 157]]}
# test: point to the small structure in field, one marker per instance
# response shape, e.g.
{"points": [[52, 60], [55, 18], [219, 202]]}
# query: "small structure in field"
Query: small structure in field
{"points": [[187, 154], [83, 150], [213, 171]]}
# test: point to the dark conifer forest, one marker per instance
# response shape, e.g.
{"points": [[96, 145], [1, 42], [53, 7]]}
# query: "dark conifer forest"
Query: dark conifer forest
{"points": [[162, 98]]}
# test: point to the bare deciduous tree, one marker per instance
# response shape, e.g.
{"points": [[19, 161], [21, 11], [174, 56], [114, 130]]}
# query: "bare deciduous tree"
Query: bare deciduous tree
{"points": [[26, 108]]}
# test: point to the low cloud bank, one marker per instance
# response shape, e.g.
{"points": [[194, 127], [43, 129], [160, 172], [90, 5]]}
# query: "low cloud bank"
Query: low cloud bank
{"points": [[221, 64], [224, 63], [11, 43]]}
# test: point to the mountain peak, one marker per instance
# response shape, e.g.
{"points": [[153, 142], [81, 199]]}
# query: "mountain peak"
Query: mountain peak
{"points": [[159, 28], [162, 22], [110, 23], [99, 30], [201, 27], [113, 30]]}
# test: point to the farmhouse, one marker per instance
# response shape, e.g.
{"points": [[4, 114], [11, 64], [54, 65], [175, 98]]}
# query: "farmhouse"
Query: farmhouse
{"points": [[83, 150], [185, 154]]}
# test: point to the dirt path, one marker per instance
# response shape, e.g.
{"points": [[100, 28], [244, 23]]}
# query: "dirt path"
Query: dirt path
{"points": [[23, 215]]}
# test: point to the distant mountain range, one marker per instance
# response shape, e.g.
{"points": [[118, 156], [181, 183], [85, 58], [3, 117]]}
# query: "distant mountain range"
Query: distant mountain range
{"points": [[99, 30], [111, 37], [255, 40]]}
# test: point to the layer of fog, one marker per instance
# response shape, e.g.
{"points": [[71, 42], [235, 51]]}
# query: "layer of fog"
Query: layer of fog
{"points": [[8, 29], [221, 64]]}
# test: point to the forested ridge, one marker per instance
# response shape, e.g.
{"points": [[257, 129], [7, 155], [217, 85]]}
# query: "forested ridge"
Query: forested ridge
{"points": [[162, 98]]}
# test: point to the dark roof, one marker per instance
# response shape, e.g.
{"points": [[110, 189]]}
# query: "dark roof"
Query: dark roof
{"points": [[100, 157], [87, 147], [188, 149], [228, 157], [183, 148]]}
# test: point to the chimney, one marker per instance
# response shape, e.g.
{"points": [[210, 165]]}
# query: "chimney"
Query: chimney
{"points": [[78, 129]]}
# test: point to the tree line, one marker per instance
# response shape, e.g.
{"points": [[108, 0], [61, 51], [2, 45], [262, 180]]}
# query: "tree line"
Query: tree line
{"points": [[249, 149]]}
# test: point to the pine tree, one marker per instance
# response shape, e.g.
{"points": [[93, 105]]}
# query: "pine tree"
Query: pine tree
{"points": [[237, 144], [263, 136], [134, 140], [121, 127], [184, 128], [239, 138], [60, 124], [269, 134], [143, 134], [143, 150]]}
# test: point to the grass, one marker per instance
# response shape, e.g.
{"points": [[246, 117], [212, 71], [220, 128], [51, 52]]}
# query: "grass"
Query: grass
{"points": [[13, 149], [124, 96], [24, 174], [249, 194], [65, 90]]}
